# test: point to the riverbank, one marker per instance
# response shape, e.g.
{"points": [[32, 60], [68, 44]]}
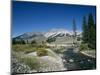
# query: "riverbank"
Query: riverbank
{"points": [[90, 53]]}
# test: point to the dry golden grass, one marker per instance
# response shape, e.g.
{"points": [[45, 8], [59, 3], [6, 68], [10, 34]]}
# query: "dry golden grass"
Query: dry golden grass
{"points": [[23, 48]]}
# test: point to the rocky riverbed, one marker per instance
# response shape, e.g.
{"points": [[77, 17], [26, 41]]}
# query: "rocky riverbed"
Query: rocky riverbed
{"points": [[78, 61]]}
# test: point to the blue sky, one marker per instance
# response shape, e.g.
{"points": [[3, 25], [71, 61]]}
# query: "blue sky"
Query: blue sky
{"points": [[42, 17]]}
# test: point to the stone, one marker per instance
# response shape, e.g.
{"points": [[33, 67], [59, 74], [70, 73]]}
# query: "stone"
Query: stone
{"points": [[71, 60]]}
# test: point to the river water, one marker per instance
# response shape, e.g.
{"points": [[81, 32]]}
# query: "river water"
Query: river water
{"points": [[78, 61]]}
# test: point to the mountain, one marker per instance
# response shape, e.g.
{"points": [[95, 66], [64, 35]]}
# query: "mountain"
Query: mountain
{"points": [[55, 32], [60, 35], [30, 36]]}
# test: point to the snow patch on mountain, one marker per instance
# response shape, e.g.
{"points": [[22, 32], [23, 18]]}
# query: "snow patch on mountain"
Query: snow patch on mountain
{"points": [[54, 32]]}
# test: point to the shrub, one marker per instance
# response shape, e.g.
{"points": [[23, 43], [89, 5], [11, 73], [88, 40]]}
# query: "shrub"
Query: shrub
{"points": [[83, 47], [33, 42], [49, 40], [42, 52], [32, 62], [78, 39], [17, 67]]}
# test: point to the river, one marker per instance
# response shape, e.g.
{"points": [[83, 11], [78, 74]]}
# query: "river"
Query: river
{"points": [[78, 61]]}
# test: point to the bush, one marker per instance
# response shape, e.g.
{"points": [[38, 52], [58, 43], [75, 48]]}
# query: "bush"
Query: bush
{"points": [[33, 42], [49, 40], [17, 67], [32, 62], [83, 47], [42, 52], [78, 39]]}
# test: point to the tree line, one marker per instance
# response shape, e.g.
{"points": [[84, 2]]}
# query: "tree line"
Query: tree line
{"points": [[89, 31], [21, 41]]}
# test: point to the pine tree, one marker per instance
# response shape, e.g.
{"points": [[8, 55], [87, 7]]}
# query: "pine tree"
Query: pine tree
{"points": [[22, 41], [33, 42], [13, 41], [85, 31], [74, 31], [91, 32]]}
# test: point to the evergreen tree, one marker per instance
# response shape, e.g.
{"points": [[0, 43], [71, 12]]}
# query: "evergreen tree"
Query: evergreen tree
{"points": [[33, 42], [22, 41], [74, 27], [85, 31], [91, 32], [13, 41], [74, 31], [49, 40]]}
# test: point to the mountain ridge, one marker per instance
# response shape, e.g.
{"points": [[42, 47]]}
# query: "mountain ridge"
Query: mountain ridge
{"points": [[59, 34]]}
